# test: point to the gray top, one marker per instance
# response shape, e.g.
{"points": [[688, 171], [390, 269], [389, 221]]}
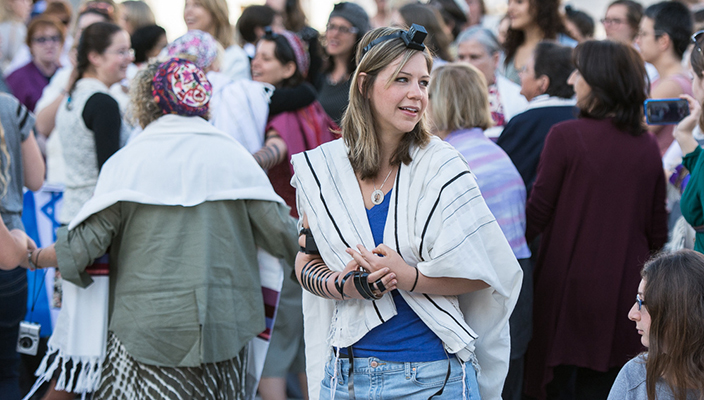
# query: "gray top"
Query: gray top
{"points": [[18, 123], [184, 281], [630, 384]]}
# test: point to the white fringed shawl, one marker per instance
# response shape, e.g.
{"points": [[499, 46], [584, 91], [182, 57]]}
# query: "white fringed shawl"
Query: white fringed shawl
{"points": [[175, 161], [439, 223]]}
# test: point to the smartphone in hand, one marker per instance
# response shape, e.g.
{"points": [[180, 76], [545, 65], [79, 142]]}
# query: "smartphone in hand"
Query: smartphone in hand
{"points": [[665, 111]]}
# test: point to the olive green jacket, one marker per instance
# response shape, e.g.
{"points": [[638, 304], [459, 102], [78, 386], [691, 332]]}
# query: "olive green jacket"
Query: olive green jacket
{"points": [[184, 281]]}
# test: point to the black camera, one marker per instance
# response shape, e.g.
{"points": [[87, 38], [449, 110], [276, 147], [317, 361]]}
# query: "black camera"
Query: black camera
{"points": [[28, 340]]}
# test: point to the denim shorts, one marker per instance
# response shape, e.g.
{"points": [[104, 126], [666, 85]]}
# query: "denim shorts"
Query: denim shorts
{"points": [[376, 379]]}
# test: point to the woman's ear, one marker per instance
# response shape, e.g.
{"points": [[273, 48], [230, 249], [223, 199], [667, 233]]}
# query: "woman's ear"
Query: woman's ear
{"points": [[361, 78], [289, 69], [94, 58], [544, 83]]}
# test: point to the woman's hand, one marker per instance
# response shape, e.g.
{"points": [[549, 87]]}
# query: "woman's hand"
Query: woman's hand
{"points": [[683, 131], [24, 242], [384, 258]]}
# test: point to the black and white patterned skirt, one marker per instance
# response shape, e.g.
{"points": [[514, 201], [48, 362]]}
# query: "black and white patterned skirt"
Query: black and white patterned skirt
{"points": [[125, 378]]}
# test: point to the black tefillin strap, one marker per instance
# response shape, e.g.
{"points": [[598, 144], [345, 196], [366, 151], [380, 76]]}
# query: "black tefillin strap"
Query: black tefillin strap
{"points": [[413, 38], [311, 247]]}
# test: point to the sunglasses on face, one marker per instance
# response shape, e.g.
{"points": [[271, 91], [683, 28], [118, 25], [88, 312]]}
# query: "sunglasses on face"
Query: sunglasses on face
{"points": [[47, 39]]}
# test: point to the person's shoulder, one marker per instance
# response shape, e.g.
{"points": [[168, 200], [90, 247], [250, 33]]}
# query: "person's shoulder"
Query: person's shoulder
{"points": [[10, 105], [631, 378]]}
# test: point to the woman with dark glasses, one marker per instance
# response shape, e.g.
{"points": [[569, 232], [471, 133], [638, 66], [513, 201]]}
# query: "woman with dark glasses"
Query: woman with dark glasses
{"points": [[669, 317]]}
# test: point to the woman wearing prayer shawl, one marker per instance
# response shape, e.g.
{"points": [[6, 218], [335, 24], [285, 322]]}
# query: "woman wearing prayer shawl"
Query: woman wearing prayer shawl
{"points": [[409, 281], [183, 223]]}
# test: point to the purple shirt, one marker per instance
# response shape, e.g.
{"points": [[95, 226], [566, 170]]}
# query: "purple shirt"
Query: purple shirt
{"points": [[500, 183], [27, 83]]}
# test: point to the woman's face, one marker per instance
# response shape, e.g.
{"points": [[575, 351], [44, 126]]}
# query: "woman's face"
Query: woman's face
{"points": [[21, 8], [616, 24], [267, 68], [398, 106], [531, 86], [473, 52], [46, 45], [337, 42], [641, 317], [197, 17], [111, 66], [647, 41], [520, 14], [697, 86], [475, 11], [580, 86]]}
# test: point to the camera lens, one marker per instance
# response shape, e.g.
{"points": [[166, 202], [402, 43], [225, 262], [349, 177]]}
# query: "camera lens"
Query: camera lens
{"points": [[26, 342]]}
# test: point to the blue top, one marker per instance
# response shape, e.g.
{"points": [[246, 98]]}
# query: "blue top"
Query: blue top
{"points": [[404, 337]]}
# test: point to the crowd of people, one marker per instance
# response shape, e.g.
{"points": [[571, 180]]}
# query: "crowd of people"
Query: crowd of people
{"points": [[449, 204]]}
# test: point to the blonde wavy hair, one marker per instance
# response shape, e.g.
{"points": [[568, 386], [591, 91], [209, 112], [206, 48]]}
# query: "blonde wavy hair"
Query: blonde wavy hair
{"points": [[5, 164], [143, 108], [220, 14], [459, 98], [358, 124]]}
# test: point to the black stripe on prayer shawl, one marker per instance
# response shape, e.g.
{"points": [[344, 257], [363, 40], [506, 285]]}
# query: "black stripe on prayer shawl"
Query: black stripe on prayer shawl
{"points": [[437, 201], [449, 315], [320, 189], [398, 179]]}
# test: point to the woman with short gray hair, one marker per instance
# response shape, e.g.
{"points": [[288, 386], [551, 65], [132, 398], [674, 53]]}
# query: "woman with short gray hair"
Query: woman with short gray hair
{"points": [[478, 46]]}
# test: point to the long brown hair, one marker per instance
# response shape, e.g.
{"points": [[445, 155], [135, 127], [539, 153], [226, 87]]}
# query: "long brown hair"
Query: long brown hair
{"points": [[546, 14], [358, 129], [674, 298]]}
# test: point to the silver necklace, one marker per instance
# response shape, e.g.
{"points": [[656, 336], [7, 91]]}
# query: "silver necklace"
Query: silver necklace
{"points": [[378, 194]]}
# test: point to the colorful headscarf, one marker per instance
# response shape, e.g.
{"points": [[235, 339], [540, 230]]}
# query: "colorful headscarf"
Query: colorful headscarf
{"points": [[180, 87], [299, 51], [198, 44]]}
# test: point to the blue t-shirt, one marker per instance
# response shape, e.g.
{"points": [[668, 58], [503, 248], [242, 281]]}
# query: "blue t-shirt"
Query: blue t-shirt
{"points": [[404, 337]]}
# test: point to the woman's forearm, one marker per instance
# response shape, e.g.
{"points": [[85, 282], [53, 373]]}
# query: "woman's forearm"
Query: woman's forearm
{"points": [[14, 248], [32, 163], [46, 118], [273, 152]]}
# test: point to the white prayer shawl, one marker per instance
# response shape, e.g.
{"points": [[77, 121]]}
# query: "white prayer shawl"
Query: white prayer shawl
{"points": [[438, 222], [164, 165], [240, 109]]}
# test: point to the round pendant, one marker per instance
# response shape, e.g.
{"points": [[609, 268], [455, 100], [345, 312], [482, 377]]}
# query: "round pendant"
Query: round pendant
{"points": [[377, 197]]}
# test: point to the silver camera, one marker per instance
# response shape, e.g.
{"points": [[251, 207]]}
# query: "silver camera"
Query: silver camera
{"points": [[28, 340]]}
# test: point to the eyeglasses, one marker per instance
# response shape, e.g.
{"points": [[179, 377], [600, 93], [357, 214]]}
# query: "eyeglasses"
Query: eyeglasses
{"points": [[342, 29], [640, 302], [123, 53], [612, 21], [47, 39], [655, 33], [695, 39]]}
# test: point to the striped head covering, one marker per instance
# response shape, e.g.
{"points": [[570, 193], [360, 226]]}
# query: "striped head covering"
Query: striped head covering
{"points": [[299, 50], [180, 87]]}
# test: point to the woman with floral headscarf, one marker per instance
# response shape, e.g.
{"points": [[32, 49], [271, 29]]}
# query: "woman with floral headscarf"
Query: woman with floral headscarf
{"points": [[183, 223]]}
